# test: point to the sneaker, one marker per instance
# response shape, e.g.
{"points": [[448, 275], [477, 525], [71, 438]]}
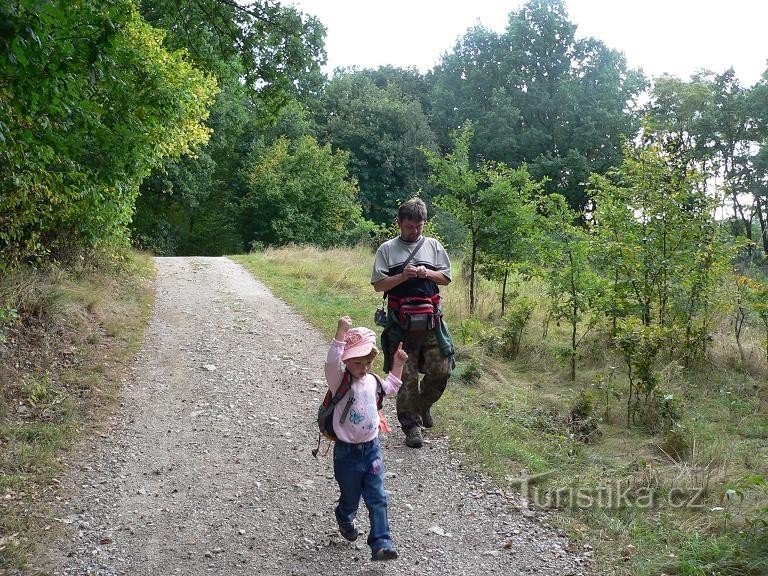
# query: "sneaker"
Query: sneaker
{"points": [[384, 554], [349, 531], [426, 419], [413, 438]]}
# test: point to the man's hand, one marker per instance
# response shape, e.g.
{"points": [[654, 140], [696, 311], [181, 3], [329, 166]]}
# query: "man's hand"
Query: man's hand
{"points": [[345, 323], [411, 271]]}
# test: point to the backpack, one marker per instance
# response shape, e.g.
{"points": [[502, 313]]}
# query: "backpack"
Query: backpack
{"points": [[327, 406]]}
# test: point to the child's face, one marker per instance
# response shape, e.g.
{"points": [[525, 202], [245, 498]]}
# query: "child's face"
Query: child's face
{"points": [[358, 367]]}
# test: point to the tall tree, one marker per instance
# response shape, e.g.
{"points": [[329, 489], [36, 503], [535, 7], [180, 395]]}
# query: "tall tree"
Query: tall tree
{"points": [[274, 49], [90, 103], [265, 56], [299, 192], [382, 128], [710, 123], [493, 202], [537, 95]]}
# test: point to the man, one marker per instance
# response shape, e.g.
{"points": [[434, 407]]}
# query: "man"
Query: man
{"points": [[409, 269]]}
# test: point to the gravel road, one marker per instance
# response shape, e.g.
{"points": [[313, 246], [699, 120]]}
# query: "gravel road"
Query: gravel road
{"points": [[205, 467]]}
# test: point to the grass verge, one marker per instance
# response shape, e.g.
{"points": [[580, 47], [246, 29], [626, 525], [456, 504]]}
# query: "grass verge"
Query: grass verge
{"points": [[66, 341], [689, 501]]}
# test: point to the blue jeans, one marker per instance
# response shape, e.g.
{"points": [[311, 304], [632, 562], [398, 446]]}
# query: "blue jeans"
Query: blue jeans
{"points": [[359, 470]]}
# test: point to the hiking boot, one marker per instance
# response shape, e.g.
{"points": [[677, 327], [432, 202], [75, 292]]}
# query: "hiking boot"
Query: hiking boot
{"points": [[348, 531], [426, 419], [413, 438], [384, 554]]}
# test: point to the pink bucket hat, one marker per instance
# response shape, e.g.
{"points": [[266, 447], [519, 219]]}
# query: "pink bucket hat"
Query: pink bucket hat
{"points": [[358, 342]]}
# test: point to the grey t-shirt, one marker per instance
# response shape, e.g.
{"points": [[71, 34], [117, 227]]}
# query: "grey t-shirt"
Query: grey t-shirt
{"points": [[391, 255]]}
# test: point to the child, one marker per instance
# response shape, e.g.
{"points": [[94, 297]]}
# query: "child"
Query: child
{"points": [[357, 462]]}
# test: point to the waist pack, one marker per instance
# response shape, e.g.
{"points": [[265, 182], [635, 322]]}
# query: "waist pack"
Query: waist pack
{"points": [[417, 313], [327, 406]]}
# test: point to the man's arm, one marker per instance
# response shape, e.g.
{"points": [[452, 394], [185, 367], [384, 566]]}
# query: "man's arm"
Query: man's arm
{"points": [[409, 272], [386, 284]]}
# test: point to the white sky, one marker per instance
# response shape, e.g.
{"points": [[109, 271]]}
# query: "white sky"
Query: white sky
{"points": [[673, 36]]}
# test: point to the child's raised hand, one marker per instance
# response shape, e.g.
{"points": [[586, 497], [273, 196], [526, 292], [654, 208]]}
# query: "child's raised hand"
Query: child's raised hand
{"points": [[401, 354], [398, 361], [345, 323]]}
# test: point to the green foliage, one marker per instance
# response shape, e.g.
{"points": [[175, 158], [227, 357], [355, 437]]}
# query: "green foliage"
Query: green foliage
{"points": [[90, 102], [573, 287], [677, 441], [640, 346], [517, 318], [299, 193], [383, 128], [714, 124], [273, 48], [495, 205], [454, 174], [266, 56], [537, 95], [471, 372], [657, 241], [8, 316], [756, 295]]}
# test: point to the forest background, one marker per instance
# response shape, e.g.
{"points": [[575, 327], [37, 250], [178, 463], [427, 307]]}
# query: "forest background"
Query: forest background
{"points": [[636, 206]]}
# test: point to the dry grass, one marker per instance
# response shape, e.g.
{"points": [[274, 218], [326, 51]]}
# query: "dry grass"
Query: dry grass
{"points": [[511, 416], [60, 368]]}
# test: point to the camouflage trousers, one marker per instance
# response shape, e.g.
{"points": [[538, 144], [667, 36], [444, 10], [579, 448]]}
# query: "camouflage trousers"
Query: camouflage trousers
{"points": [[418, 393]]}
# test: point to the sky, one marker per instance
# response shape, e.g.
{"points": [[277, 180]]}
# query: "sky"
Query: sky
{"points": [[677, 37]]}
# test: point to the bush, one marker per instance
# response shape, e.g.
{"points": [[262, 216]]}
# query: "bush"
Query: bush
{"points": [[516, 320], [676, 442], [472, 371]]}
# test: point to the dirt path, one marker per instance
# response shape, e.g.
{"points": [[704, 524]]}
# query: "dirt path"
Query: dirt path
{"points": [[205, 468]]}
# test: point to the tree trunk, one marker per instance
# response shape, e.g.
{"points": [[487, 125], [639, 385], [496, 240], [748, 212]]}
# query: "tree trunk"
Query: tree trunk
{"points": [[763, 224], [504, 292], [473, 263], [573, 347]]}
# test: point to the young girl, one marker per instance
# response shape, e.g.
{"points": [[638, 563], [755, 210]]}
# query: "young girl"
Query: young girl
{"points": [[357, 462]]}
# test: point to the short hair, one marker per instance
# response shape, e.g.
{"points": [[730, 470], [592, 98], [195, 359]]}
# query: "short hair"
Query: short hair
{"points": [[413, 209]]}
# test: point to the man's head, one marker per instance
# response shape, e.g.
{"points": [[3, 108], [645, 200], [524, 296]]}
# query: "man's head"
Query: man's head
{"points": [[411, 217]]}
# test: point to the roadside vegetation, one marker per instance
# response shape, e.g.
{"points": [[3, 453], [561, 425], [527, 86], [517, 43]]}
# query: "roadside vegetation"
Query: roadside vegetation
{"points": [[610, 233], [684, 493], [66, 342]]}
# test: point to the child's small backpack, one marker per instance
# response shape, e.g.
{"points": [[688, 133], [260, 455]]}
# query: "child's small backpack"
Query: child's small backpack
{"points": [[325, 411]]}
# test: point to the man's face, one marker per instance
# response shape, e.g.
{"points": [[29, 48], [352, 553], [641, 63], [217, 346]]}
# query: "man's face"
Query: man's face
{"points": [[410, 230]]}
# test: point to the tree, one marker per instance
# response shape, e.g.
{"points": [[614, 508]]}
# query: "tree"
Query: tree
{"points": [[509, 235], [265, 57], [275, 50], [573, 286], [454, 174], [189, 205], [657, 238], [299, 193], [90, 102], [538, 96], [495, 204], [711, 123], [382, 128]]}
